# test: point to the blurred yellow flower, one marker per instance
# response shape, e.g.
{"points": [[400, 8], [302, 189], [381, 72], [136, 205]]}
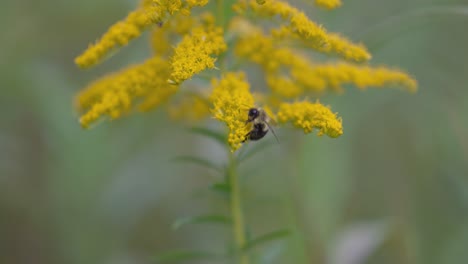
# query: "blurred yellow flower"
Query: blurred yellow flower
{"points": [[328, 4]]}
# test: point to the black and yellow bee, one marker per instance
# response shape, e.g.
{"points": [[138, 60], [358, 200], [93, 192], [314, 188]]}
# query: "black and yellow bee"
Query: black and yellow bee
{"points": [[260, 124]]}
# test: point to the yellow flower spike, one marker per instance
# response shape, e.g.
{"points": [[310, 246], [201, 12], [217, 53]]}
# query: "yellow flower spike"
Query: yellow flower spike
{"points": [[309, 116], [345, 48], [120, 34], [231, 100], [193, 54], [328, 4], [283, 86], [301, 27], [160, 41], [262, 50], [112, 95], [189, 4], [306, 76], [335, 75]]}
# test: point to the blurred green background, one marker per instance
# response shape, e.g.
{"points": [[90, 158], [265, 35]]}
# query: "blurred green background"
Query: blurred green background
{"points": [[392, 189]]}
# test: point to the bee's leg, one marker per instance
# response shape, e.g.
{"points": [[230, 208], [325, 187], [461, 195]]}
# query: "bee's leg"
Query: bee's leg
{"points": [[247, 137]]}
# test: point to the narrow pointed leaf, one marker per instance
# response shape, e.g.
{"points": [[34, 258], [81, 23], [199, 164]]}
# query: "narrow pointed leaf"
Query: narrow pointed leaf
{"points": [[197, 160], [213, 134], [259, 147], [178, 256], [201, 219], [275, 235]]}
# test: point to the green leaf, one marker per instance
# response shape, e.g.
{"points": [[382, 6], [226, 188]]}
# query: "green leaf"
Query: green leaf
{"points": [[259, 147], [275, 235], [213, 134], [197, 160], [184, 255], [201, 219]]}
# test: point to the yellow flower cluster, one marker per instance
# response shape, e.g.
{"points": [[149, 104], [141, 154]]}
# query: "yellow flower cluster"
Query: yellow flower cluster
{"points": [[121, 33], [300, 26], [231, 99], [328, 4], [113, 94], [303, 76], [308, 116], [193, 54], [185, 44], [335, 75]]}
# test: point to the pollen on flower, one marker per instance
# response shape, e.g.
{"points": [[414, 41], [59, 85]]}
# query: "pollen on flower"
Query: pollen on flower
{"points": [[194, 53], [113, 95], [231, 100], [328, 4], [309, 116]]}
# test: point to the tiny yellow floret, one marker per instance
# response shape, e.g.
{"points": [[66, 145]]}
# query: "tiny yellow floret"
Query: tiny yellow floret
{"points": [[231, 99], [309, 116]]}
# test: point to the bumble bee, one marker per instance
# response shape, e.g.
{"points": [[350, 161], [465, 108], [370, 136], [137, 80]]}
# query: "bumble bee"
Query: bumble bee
{"points": [[260, 127]]}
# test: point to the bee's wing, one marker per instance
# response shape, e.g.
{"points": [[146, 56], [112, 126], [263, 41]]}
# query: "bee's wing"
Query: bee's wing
{"points": [[272, 131]]}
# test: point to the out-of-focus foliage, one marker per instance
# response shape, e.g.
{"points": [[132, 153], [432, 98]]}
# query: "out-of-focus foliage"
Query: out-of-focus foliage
{"points": [[392, 189]]}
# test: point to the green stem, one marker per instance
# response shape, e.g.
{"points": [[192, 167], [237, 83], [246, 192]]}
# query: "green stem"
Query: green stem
{"points": [[236, 211], [220, 13]]}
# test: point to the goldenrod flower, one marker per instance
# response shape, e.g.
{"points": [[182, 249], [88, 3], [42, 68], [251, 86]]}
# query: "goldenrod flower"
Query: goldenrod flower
{"points": [[121, 33], [304, 75], [185, 44], [194, 52], [284, 86], [114, 94], [231, 99], [328, 4], [300, 26], [336, 75], [309, 116]]}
